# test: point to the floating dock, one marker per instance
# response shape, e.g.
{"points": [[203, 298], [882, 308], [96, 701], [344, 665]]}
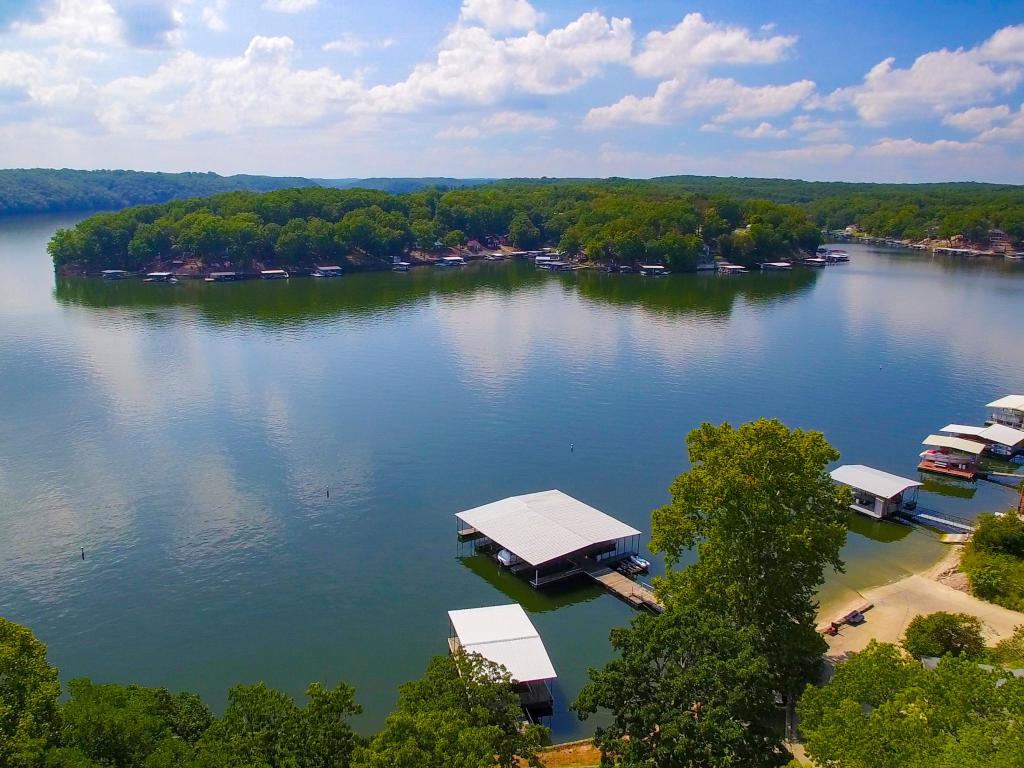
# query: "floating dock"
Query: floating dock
{"points": [[636, 593]]}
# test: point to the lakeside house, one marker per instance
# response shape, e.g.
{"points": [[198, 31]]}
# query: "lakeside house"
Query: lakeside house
{"points": [[876, 493], [1008, 411], [504, 634]]}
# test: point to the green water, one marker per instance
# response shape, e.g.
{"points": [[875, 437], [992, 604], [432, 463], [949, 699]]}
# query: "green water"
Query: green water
{"points": [[186, 435]]}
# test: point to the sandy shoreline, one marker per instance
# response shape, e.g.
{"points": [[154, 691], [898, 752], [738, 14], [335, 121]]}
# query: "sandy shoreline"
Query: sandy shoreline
{"points": [[940, 587]]}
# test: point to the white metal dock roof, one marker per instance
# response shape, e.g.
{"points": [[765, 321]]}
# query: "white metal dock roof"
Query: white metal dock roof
{"points": [[539, 527], [505, 635], [955, 443], [874, 481], [963, 429], [1014, 402], [1002, 434]]}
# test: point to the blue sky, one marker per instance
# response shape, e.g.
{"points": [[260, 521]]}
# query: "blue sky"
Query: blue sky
{"points": [[873, 91]]}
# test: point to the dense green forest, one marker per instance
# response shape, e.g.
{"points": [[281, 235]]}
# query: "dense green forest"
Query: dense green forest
{"points": [[624, 221], [42, 190], [912, 211]]}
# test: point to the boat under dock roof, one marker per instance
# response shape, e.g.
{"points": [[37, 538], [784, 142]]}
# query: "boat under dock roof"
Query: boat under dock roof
{"points": [[954, 443]]}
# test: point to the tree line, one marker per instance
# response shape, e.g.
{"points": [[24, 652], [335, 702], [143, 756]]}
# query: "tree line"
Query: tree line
{"points": [[600, 221]]}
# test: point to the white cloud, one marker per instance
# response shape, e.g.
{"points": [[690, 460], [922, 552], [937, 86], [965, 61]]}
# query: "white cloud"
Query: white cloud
{"points": [[353, 45], [680, 97], [75, 22], [1012, 130], [458, 133], [911, 147], [500, 15], [517, 122], [818, 131], [937, 82], [289, 6], [475, 68], [762, 131], [817, 153], [503, 122], [192, 95], [977, 119], [695, 43], [213, 15]]}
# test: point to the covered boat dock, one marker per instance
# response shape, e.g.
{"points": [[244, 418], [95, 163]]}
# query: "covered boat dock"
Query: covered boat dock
{"points": [[549, 537], [998, 439], [953, 456], [504, 634], [876, 493]]}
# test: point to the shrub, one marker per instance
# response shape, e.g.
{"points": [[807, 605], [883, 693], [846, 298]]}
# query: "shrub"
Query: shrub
{"points": [[1010, 651], [1004, 535], [940, 633]]}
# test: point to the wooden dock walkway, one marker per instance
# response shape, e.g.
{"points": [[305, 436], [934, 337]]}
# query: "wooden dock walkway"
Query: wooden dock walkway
{"points": [[636, 594], [938, 469]]}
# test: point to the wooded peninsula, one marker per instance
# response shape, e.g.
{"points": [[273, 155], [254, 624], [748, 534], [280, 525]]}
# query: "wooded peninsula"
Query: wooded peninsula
{"points": [[675, 221]]}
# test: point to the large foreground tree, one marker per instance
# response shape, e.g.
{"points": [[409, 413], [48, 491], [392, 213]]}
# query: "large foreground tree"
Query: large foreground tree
{"points": [[766, 521], [28, 697], [688, 690]]}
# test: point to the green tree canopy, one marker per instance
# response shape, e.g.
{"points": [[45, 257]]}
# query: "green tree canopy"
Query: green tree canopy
{"points": [[29, 689], [689, 689], [464, 713], [883, 709], [940, 633], [766, 521]]}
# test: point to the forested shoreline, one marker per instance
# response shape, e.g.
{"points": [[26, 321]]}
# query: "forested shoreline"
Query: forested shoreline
{"points": [[621, 221]]}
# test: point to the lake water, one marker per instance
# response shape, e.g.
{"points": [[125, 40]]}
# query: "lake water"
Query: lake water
{"points": [[186, 437]]}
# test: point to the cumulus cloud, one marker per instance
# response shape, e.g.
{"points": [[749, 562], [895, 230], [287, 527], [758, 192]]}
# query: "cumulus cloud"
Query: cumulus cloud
{"points": [[764, 130], [937, 82], [1011, 130], [977, 119], [475, 68], [192, 95], [818, 131], [353, 45], [817, 153], [698, 43], [502, 122], [678, 97], [139, 23], [500, 15], [213, 15], [289, 6], [913, 148]]}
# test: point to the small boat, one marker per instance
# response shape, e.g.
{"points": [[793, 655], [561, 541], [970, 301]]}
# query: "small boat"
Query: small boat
{"points": [[653, 270], [160, 277], [331, 271], [837, 256], [640, 562], [114, 274], [400, 266], [274, 274], [731, 269], [221, 277]]}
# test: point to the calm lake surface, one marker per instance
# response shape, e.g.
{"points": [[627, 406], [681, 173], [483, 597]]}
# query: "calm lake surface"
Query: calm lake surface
{"points": [[186, 437]]}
